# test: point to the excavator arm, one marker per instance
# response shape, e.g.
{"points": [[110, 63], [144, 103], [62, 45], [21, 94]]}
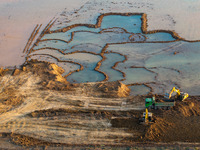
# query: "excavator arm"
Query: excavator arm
{"points": [[179, 95], [174, 90], [146, 115]]}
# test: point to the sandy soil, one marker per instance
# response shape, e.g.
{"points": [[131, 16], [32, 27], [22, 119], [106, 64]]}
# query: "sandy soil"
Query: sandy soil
{"points": [[40, 108]]}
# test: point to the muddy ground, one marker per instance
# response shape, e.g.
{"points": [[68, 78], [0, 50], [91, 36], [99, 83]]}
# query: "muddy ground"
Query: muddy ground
{"points": [[39, 108]]}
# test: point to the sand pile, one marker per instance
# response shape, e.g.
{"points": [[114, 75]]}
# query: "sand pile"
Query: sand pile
{"points": [[3, 71], [189, 108], [114, 89], [50, 74], [157, 130], [32, 75], [179, 124], [104, 89]]}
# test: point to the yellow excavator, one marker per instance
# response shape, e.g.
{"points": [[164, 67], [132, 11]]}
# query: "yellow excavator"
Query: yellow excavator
{"points": [[147, 118], [179, 95]]}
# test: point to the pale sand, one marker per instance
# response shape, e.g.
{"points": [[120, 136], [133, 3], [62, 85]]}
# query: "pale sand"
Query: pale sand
{"points": [[18, 19]]}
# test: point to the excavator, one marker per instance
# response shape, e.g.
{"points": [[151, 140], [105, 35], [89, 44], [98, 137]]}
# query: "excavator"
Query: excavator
{"points": [[179, 95], [147, 118]]}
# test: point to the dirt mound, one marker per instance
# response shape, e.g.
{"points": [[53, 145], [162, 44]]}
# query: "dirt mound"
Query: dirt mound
{"points": [[33, 75], [157, 130], [50, 74], [3, 71], [189, 108], [178, 124], [105, 89], [113, 89]]}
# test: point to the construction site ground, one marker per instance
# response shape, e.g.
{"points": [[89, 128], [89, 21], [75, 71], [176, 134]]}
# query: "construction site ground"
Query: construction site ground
{"points": [[40, 109]]}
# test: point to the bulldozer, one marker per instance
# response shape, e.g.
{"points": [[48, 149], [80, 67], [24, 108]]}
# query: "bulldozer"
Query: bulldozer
{"points": [[179, 95]]}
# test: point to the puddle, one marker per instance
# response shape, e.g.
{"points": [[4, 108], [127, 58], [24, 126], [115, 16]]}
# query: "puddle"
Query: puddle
{"points": [[107, 65], [61, 45], [66, 36], [138, 75], [139, 90], [159, 37], [89, 47], [84, 37], [130, 23], [83, 58], [86, 75]]}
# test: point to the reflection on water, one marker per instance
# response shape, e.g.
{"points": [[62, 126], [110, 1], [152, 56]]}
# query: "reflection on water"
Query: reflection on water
{"points": [[155, 59]]}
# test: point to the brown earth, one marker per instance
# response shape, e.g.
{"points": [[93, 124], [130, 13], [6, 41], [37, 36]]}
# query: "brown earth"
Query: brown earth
{"points": [[108, 103]]}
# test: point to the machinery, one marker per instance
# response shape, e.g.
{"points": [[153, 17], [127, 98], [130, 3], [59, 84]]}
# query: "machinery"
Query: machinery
{"points": [[151, 103], [147, 117], [179, 95]]}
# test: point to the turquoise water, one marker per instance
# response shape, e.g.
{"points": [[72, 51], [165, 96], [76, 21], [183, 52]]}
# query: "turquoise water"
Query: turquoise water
{"points": [[163, 64], [83, 58], [174, 63], [139, 90], [88, 61], [66, 36], [138, 75], [107, 65], [86, 75], [159, 37], [130, 23], [99, 39], [89, 47]]}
